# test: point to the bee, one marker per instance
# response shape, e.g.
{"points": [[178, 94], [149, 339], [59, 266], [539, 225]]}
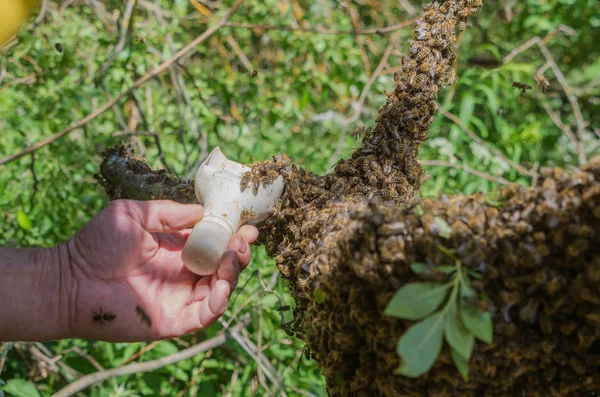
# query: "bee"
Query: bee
{"points": [[144, 317], [420, 81], [429, 122], [462, 24], [522, 86], [423, 53], [448, 27], [141, 40], [247, 213], [451, 76], [254, 73], [58, 47], [542, 82], [270, 177], [245, 180], [474, 3], [101, 317], [407, 63], [396, 79], [448, 7]]}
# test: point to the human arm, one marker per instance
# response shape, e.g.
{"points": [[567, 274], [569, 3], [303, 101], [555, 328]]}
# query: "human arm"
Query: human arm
{"points": [[127, 256]]}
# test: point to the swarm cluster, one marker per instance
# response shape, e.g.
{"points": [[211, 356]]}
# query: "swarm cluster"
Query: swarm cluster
{"points": [[539, 252], [385, 166]]}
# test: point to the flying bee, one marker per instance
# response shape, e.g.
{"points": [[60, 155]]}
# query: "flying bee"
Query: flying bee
{"points": [[141, 40], [358, 132], [522, 86], [101, 317], [144, 317], [396, 79], [462, 24], [542, 82], [58, 47], [254, 73]]}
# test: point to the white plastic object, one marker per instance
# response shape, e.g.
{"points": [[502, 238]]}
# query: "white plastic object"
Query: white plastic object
{"points": [[218, 188]]}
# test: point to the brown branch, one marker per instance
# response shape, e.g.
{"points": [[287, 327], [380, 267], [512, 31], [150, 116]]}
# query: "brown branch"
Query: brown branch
{"points": [[191, 47], [519, 168], [125, 29], [466, 169], [97, 377]]}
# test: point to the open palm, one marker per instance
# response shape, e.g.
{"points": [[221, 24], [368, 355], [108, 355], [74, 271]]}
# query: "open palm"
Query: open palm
{"points": [[127, 261]]}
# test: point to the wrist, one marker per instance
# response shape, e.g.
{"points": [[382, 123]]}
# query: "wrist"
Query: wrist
{"points": [[36, 291]]}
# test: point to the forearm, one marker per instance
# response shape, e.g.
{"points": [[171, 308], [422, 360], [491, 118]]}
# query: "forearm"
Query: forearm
{"points": [[35, 286]]}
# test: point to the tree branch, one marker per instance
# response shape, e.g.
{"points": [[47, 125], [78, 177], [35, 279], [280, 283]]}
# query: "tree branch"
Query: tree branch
{"points": [[97, 377], [138, 83]]}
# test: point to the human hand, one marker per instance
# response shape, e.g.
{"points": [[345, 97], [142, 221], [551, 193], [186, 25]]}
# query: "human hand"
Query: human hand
{"points": [[129, 255]]}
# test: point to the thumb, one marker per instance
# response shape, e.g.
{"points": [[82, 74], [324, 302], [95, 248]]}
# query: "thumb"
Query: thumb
{"points": [[164, 215]]}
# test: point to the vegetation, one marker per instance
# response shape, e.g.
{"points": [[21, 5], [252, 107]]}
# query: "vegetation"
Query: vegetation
{"points": [[317, 81]]}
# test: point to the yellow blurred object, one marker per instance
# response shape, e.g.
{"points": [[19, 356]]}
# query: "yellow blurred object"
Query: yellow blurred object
{"points": [[12, 15]]}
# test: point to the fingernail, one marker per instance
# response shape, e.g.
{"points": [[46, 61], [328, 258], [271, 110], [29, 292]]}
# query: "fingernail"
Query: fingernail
{"points": [[240, 245]]}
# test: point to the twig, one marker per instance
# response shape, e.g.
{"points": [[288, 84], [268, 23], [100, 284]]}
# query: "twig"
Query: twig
{"points": [[86, 356], [239, 52], [363, 53], [519, 168], [35, 182], [142, 351], [382, 30], [191, 47], [153, 365], [259, 358], [571, 97], [557, 120], [125, 29], [359, 106], [466, 169]]}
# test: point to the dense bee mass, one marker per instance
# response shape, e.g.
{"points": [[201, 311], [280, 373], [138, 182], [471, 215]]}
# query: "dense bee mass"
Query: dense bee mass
{"points": [[353, 234]]}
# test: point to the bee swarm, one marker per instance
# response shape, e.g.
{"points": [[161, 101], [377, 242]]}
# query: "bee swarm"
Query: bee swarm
{"points": [[354, 233]]}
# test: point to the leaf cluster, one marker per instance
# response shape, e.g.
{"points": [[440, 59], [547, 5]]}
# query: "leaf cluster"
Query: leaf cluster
{"points": [[443, 312]]}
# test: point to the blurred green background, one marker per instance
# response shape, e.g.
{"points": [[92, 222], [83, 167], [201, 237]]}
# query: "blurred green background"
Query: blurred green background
{"points": [[304, 101]]}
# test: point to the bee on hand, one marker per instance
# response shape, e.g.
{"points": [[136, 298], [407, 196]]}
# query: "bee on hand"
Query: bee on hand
{"points": [[143, 315], [101, 317]]}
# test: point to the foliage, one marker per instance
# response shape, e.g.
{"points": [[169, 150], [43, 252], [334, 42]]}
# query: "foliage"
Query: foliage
{"points": [[308, 85], [457, 321]]}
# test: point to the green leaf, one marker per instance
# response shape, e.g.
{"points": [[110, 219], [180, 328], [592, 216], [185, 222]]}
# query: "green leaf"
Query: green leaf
{"points": [[465, 288], [478, 322], [319, 295], [458, 336], [419, 268], [446, 269], [21, 388], [416, 300], [420, 346], [444, 229], [475, 275], [23, 220], [461, 364]]}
